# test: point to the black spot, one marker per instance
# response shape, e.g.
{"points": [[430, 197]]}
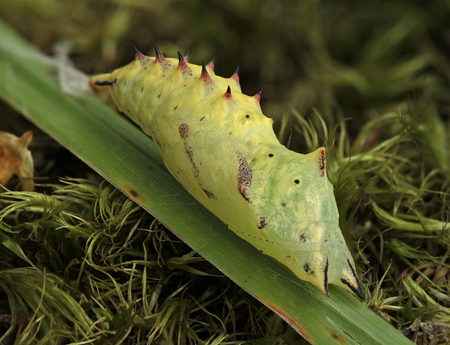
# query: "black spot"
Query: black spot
{"points": [[103, 83], [283, 204], [308, 270], [133, 193], [262, 223], [202, 118], [325, 280], [303, 238], [270, 154], [247, 116], [175, 107], [297, 181]]}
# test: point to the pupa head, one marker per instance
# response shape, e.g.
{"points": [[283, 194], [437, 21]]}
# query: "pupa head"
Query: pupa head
{"points": [[301, 216]]}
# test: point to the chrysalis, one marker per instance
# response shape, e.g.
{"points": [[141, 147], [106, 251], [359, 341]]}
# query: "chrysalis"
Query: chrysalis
{"points": [[217, 143]]}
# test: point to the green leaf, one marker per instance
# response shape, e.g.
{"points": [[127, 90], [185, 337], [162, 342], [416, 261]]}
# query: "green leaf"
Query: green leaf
{"points": [[129, 159]]}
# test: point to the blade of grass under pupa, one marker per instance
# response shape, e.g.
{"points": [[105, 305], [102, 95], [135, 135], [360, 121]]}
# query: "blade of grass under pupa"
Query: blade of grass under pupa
{"points": [[129, 160]]}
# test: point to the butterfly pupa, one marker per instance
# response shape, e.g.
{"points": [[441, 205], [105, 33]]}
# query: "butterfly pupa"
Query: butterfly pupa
{"points": [[221, 148]]}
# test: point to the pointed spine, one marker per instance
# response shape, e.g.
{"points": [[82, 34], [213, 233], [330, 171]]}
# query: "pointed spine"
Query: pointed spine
{"points": [[186, 56], [138, 55], [227, 94], [204, 75], [235, 75], [257, 96], [211, 64], [182, 65], [159, 57]]}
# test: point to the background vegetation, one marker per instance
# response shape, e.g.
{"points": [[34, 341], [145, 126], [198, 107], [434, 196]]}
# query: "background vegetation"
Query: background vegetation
{"points": [[368, 79]]}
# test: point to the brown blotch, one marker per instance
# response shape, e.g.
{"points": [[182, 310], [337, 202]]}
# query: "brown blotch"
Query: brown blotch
{"points": [[132, 192], [183, 129], [245, 175], [322, 162], [289, 319], [335, 336], [308, 270]]}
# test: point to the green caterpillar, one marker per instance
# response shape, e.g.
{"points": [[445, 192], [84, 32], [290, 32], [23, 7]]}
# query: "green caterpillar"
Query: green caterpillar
{"points": [[221, 148]]}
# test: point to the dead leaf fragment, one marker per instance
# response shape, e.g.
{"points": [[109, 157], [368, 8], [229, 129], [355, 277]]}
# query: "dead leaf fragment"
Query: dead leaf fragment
{"points": [[16, 159]]}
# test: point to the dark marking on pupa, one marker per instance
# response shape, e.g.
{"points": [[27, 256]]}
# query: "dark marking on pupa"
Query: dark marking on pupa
{"points": [[103, 83], [303, 238], [262, 223], [183, 129], [245, 175], [209, 194], [308, 270], [356, 289], [325, 278], [322, 162], [190, 155]]}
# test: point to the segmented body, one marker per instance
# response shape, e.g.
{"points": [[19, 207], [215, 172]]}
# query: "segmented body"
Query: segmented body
{"points": [[218, 144]]}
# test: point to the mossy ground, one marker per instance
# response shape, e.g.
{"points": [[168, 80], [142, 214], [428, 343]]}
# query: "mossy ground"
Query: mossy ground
{"points": [[370, 80]]}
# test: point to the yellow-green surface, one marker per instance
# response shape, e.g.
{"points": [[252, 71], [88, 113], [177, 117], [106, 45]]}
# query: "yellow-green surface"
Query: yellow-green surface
{"points": [[223, 151]]}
